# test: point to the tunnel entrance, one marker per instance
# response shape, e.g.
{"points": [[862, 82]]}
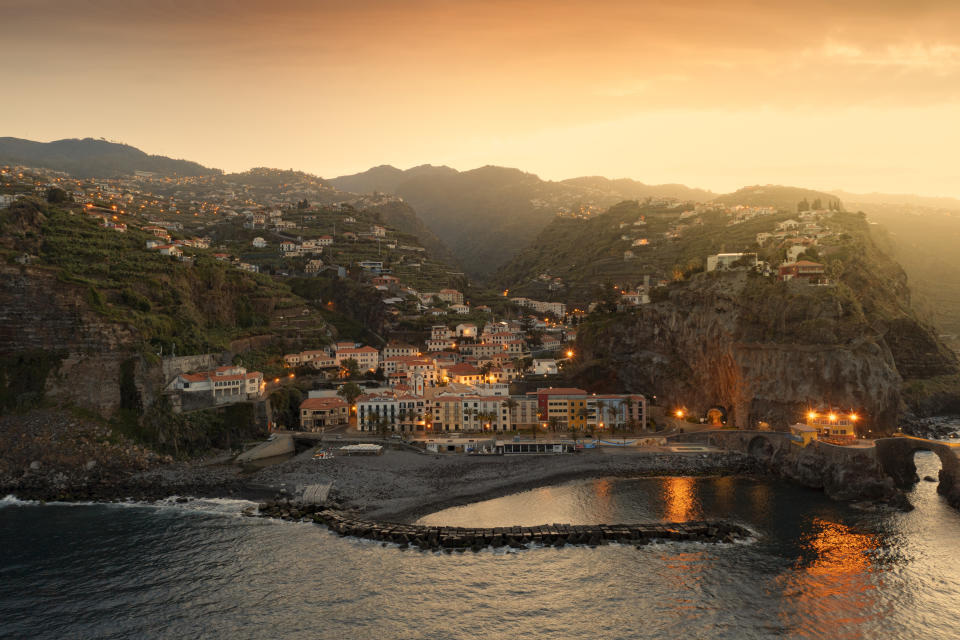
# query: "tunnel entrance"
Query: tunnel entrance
{"points": [[717, 416]]}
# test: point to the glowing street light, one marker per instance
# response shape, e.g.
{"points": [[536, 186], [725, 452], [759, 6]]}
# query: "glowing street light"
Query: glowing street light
{"points": [[811, 415], [679, 413]]}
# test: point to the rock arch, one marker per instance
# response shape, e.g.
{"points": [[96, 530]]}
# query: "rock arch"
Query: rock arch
{"points": [[896, 457]]}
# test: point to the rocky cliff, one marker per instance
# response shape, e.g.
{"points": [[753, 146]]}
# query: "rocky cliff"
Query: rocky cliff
{"points": [[766, 351]]}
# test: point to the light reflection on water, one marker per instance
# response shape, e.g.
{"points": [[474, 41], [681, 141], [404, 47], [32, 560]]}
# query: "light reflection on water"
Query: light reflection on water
{"points": [[818, 569]]}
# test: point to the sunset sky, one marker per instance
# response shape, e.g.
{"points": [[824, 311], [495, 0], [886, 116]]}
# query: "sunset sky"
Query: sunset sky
{"points": [[862, 95]]}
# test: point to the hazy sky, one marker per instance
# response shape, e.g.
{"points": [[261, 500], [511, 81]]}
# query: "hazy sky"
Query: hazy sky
{"points": [[860, 94]]}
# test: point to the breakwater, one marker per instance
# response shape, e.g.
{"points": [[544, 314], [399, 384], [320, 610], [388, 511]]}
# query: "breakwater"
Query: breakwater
{"points": [[435, 538]]}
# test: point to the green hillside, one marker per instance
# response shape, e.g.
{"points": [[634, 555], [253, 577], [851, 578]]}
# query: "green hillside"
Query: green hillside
{"points": [[88, 158], [587, 254]]}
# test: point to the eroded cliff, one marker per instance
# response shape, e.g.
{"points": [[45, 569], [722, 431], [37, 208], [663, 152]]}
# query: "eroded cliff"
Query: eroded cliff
{"points": [[766, 350]]}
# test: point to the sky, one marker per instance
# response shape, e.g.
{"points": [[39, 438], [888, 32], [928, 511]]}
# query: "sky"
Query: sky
{"points": [[861, 95]]}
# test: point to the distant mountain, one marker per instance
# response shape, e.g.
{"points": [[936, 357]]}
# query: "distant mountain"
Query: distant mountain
{"points": [[386, 178], [626, 189], [487, 215], [88, 158], [771, 195], [910, 199]]}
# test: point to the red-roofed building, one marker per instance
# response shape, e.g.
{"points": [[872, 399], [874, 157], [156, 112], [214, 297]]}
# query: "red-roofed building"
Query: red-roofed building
{"points": [[812, 272], [318, 413], [463, 373]]}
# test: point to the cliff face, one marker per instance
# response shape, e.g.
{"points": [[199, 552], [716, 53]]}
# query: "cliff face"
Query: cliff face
{"points": [[54, 344], [763, 350]]}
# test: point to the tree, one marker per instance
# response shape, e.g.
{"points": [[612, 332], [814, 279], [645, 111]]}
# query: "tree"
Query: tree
{"points": [[350, 368], [488, 417], [803, 205], [628, 403], [554, 423], [601, 406], [510, 404], [485, 369], [817, 205], [56, 195], [350, 392]]}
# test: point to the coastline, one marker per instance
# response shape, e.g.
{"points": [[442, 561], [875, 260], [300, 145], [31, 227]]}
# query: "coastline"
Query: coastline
{"points": [[400, 486]]}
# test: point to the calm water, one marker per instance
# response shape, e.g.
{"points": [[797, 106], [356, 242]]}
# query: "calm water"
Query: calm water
{"points": [[816, 570]]}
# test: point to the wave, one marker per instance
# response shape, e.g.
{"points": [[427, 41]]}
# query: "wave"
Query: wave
{"points": [[216, 506]]}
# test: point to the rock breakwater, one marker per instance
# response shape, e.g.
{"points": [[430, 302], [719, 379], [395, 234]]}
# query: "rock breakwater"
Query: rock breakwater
{"points": [[449, 539]]}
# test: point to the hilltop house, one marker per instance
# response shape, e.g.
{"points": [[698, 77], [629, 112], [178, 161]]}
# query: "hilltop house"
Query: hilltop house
{"points": [[723, 261], [812, 272]]}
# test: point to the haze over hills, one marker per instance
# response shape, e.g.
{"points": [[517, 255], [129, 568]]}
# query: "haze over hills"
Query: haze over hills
{"points": [[89, 158], [772, 195], [487, 215], [628, 189]]}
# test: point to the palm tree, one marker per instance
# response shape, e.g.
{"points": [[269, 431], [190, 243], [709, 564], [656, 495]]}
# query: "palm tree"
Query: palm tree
{"points": [[488, 417], [554, 422], [582, 413], [510, 404], [628, 403], [601, 405]]}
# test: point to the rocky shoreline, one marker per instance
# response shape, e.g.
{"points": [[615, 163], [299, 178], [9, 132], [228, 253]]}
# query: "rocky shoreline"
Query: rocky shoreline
{"points": [[399, 486]]}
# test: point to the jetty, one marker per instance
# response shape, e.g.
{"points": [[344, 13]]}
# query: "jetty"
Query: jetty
{"points": [[436, 538]]}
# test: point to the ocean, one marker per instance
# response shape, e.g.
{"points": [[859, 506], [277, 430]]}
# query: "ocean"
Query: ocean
{"points": [[814, 569]]}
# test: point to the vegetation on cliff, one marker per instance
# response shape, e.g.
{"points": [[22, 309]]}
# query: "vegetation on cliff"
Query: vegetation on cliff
{"points": [[767, 350], [193, 308]]}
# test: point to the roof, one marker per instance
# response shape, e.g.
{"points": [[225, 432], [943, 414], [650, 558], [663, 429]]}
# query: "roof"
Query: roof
{"points": [[463, 369], [559, 391], [360, 350], [323, 403]]}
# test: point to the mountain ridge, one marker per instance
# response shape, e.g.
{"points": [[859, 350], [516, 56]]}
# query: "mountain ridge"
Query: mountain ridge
{"points": [[90, 157]]}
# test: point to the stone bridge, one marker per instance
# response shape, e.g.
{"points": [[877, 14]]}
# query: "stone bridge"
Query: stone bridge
{"points": [[896, 457], [853, 472]]}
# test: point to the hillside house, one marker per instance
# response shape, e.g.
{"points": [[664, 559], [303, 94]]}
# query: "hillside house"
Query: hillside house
{"points": [[812, 272], [319, 413], [223, 384]]}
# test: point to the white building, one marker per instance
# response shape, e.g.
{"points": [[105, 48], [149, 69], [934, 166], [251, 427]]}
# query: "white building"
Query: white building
{"points": [[226, 384], [722, 261]]}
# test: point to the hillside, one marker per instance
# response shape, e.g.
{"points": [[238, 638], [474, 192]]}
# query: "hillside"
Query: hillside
{"points": [[784, 198], [487, 215], [924, 240], [88, 158], [387, 179], [626, 189], [588, 253], [767, 351]]}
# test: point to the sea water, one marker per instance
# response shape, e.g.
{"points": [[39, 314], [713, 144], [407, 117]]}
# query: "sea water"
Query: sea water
{"points": [[814, 569]]}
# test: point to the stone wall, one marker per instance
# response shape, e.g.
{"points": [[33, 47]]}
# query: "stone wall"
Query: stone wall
{"points": [[844, 473]]}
